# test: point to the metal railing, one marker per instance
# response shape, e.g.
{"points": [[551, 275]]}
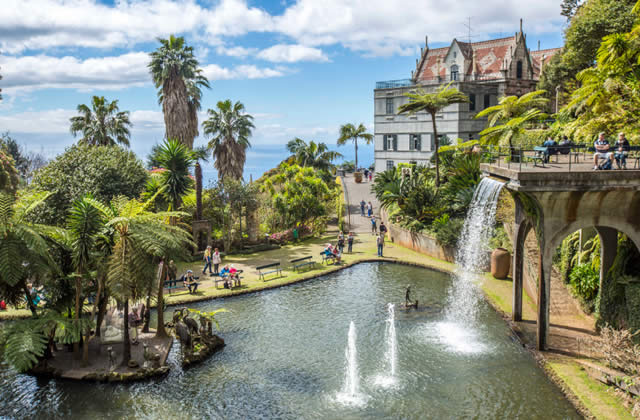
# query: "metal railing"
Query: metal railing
{"points": [[558, 157], [389, 84]]}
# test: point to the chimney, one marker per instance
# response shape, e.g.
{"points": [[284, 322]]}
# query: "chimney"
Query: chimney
{"points": [[538, 45]]}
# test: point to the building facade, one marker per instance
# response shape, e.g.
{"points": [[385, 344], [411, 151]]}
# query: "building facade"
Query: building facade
{"points": [[485, 71]]}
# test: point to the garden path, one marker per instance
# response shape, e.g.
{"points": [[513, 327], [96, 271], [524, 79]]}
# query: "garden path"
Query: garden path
{"points": [[354, 193]]}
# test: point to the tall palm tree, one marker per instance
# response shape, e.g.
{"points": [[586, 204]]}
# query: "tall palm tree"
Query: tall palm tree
{"points": [[316, 155], [176, 159], [230, 128], [200, 153], [103, 124], [140, 236], [24, 248], [353, 133], [432, 103], [83, 224], [174, 70]]}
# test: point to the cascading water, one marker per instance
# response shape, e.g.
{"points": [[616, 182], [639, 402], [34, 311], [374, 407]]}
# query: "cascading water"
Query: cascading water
{"points": [[471, 256], [391, 352], [350, 393], [459, 331]]}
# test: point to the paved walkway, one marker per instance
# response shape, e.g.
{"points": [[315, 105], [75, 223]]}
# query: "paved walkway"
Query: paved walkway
{"points": [[354, 194]]}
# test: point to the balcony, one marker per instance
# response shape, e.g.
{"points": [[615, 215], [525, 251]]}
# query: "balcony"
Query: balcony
{"points": [[390, 84]]}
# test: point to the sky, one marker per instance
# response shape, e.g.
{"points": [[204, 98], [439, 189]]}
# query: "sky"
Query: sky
{"points": [[302, 68]]}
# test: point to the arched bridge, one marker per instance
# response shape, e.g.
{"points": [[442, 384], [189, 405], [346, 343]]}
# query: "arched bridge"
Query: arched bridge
{"points": [[556, 203]]}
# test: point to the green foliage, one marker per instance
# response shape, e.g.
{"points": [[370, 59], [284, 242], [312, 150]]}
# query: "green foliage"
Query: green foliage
{"points": [[296, 195], [585, 281], [349, 132], [9, 180], [348, 166], [23, 343], [340, 205], [175, 181], [447, 230], [209, 316], [103, 171], [500, 239], [568, 250], [315, 155]]}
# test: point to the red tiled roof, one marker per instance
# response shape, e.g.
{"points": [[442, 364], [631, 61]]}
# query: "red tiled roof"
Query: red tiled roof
{"points": [[537, 58]]}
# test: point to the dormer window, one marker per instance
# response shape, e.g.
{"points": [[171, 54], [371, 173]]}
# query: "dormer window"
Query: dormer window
{"points": [[454, 72], [455, 54]]}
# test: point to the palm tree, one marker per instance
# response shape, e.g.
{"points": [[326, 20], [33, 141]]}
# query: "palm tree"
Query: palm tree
{"points": [[230, 128], [315, 155], [509, 131], [433, 103], [24, 248], [139, 237], [103, 124], [176, 159], [200, 153], [351, 132], [513, 106], [83, 224], [174, 70]]}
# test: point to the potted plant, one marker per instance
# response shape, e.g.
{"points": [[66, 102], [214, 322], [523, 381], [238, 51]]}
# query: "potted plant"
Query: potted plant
{"points": [[501, 255], [357, 176]]}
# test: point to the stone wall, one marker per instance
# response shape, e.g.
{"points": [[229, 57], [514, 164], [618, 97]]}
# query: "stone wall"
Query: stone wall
{"points": [[419, 242]]}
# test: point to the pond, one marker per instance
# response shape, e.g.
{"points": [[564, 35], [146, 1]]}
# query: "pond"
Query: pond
{"points": [[285, 358]]}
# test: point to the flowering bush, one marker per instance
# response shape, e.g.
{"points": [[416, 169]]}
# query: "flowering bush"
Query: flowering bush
{"points": [[287, 235]]}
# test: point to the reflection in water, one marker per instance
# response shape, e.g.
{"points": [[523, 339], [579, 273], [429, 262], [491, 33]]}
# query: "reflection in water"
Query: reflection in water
{"points": [[285, 358]]}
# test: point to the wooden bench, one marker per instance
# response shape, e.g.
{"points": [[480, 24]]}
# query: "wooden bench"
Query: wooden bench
{"points": [[275, 268], [326, 258], [301, 262], [179, 285], [539, 156], [222, 279]]}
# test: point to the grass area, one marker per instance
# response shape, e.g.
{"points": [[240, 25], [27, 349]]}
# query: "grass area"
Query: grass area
{"points": [[598, 398]]}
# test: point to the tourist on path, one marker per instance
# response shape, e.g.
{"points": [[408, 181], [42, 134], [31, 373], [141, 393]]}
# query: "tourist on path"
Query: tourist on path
{"points": [[383, 230], [374, 226], [602, 151], [622, 149], [370, 176], [216, 259], [366, 174], [380, 243], [362, 204], [341, 241], [370, 209], [350, 242], [207, 260]]}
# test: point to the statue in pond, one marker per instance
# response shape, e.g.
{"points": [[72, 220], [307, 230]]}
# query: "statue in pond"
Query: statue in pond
{"points": [[407, 299], [189, 322]]}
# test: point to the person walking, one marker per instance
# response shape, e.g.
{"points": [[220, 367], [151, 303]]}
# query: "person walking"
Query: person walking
{"points": [[341, 241], [374, 226], [383, 230], [350, 242], [370, 209], [362, 204], [370, 176], [216, 259], [380, 243], [366, 175], [207, 260]]}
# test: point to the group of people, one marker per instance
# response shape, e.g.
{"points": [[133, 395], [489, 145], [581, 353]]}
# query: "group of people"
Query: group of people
{"points": [[603, 150], [554, 147], [368, 175], [211, 258], [366, 206], [341, 240], [331, 251]]}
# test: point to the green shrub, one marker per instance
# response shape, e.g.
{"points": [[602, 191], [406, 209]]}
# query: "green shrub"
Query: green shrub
{"points": [[500, 239], [585, 281], [447, 230]]}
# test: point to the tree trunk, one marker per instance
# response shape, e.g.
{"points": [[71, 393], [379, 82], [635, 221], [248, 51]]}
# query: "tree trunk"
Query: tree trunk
{"points": [[160, 331], [198, 172], [76, 346], [102, 309], [356, 143], [85, 347], [126, 344], [437, 146], [145, 317], [175, 109]]}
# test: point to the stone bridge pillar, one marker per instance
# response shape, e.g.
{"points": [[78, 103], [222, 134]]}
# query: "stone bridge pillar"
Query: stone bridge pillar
{"points": [[608, 249], [521, 229]]}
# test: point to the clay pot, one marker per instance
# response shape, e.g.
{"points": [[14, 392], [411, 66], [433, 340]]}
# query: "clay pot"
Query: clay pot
{"points": [[500, 263], [358, 176]]}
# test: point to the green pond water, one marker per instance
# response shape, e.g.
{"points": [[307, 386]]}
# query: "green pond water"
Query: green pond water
{"points": [[286, 358]]}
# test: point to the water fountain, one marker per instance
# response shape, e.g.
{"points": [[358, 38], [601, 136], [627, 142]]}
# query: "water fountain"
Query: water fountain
{"points": [[350, 393], [391, 352]]}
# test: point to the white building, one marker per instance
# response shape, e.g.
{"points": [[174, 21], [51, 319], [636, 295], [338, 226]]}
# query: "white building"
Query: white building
{"points": [[485, 71]]}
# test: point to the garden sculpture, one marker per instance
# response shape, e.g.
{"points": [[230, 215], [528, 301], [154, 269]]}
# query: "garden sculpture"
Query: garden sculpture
{"points": [[189, 322], [112, 358]]}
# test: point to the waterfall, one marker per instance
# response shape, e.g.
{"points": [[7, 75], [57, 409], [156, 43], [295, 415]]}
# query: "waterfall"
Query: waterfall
{"points": [[471, 256], [350, 393]]}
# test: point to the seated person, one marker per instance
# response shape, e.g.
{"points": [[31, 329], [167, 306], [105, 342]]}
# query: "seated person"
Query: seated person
{"points": [[225, 273], [621, 151], [189, 281], [337, 255], [234, 275], [551, 150], [602, 151], [328, 251]]}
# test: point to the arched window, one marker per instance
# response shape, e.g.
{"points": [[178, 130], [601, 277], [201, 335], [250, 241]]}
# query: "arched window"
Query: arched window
{"points": [[454, 72], [519, 69]]}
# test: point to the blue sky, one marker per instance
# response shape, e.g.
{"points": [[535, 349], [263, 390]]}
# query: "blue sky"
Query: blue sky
{"points": [[302, 68]]}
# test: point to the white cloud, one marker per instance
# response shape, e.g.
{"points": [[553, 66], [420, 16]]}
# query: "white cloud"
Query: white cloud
{"points": [[53, 121], [216, 72], [238, 52], [283, 53], [42, 71]]}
